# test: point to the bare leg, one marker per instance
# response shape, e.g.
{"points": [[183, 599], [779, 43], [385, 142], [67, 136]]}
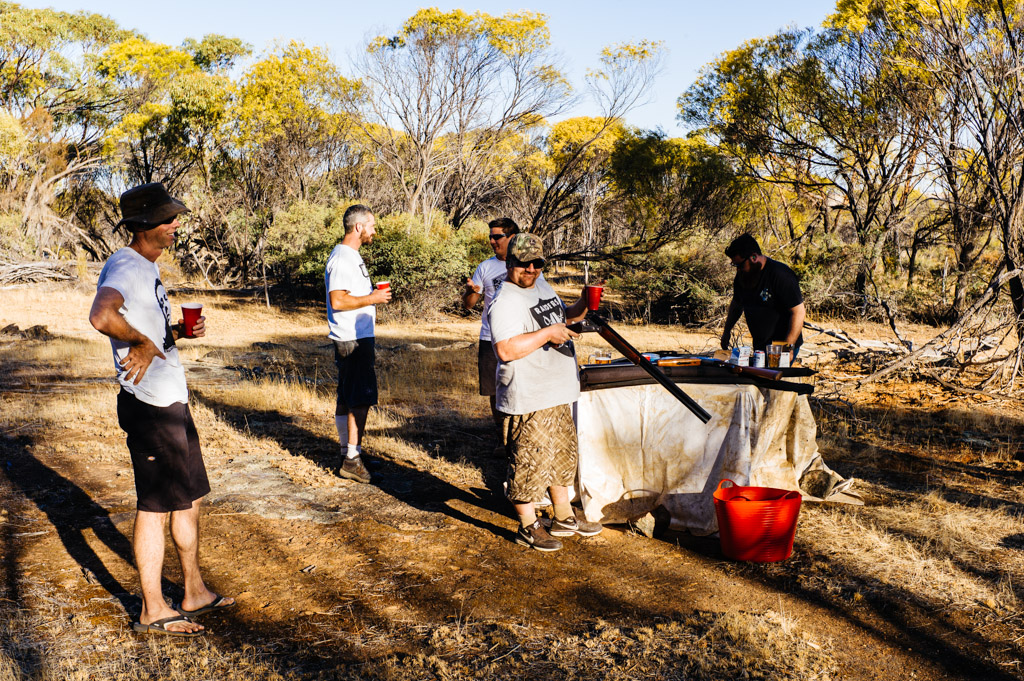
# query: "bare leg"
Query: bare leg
{"points": [[185, 533], [356, 424], [560, 501], [148, 545], [526, 512]]}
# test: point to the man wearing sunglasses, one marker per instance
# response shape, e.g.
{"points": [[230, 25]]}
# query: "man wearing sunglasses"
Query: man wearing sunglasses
{"points": [[768, 295], [484, 283], [537, 383]]}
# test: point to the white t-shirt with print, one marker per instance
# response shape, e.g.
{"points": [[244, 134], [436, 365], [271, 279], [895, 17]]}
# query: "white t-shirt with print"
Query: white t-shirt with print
{"points": [[489, 275], [346, 271], [147, 310], [548, 376]]}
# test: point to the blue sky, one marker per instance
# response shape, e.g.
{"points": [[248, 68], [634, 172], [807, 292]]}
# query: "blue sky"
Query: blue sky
{"points": [[694, 31]]}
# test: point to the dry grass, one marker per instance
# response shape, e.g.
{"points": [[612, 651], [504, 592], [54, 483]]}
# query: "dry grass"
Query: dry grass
{"points": [[927, 554], [920, 541], [49, 642]]}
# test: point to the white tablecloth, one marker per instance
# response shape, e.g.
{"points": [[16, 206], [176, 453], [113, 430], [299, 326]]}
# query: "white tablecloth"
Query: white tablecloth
{"points": [[640, 449]]}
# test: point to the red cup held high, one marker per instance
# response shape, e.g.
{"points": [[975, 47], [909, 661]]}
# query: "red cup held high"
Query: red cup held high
{"points": [[191, 312], [593, 295]]}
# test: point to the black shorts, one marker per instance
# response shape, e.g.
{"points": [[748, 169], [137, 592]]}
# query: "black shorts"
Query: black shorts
{"points": [[357, 377], [487, 368], [166, 458]]}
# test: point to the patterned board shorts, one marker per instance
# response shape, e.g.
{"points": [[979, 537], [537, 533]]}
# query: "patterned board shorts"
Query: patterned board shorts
{"points": [[543, 451]]}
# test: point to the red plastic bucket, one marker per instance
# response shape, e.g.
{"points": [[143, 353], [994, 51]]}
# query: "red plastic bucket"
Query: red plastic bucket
{"points": [[756, 523]]}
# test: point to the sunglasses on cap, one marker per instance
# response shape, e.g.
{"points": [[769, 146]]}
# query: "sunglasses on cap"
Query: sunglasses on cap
{"points": [[497, 236]]}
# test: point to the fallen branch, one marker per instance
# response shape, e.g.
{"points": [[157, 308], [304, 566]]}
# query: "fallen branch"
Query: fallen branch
{"points": [[991, 292], [932, 374], [33, 272], [841, 335]]}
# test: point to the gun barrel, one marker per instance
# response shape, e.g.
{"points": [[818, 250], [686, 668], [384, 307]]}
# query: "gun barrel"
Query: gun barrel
{"points": [[630, 353]]}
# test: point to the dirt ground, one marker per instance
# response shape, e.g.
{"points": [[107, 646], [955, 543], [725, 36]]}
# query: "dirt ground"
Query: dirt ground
{"points": [[417, 575]]}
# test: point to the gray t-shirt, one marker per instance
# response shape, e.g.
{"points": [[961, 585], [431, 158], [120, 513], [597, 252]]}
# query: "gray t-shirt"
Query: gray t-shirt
{"points": [[548, 376]]}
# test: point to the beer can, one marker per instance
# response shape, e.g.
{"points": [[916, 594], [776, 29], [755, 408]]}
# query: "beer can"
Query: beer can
{"points": [[759, 358]]}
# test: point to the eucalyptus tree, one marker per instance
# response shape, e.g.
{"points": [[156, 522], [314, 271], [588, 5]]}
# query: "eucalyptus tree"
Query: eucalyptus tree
{"points": [[968, 54], [824, 113], [174, 104], [670, 187], [290, 131], [578, 148], [59, 110], [442, 94]]}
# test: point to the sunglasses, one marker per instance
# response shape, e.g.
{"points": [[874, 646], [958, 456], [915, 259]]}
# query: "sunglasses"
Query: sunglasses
{"points": [[497, 237], [538, 264]]}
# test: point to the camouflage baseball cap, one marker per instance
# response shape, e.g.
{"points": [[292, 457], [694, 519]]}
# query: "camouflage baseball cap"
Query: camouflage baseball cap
{"points": [[525, 247]]}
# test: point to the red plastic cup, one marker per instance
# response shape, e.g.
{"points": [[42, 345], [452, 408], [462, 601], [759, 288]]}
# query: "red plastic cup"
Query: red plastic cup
{"points": [[383, 285], [191, 312], [593, 294]]}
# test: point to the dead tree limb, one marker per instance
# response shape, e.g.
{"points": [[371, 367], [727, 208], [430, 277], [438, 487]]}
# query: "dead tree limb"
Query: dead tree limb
{"points": [[990, 293], [841, 335]]}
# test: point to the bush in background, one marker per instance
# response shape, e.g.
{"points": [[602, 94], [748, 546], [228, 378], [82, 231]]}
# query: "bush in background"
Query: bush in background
{"points": [[426, 264], [674, 286]]}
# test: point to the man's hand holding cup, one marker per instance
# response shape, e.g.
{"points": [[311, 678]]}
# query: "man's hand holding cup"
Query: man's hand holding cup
{"points": [[192, 323], [198, 328], [382, 293]]}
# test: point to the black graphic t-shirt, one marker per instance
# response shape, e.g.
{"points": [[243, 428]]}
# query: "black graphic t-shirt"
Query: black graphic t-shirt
{"points": [[768, 303]]}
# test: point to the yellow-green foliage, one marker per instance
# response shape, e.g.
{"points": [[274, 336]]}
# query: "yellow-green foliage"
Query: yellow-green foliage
{"points": [[568, 136], [145, 71], [142, 63], [13, 140], [298, 86], [512, 34], [33, 44], [622, 56], [303, 235]]}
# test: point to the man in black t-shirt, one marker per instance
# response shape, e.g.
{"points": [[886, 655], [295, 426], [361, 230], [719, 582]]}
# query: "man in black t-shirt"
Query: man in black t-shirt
{"points": [[767, 293]]}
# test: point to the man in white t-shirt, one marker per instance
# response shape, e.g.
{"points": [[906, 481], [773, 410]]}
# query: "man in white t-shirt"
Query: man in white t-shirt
{"points": [[537, 383], [131, 307], [485, 283], [351, 314]]}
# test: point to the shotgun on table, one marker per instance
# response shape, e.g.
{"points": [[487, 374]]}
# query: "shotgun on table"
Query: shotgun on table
{"points": [[753, 372], [595, 322]]}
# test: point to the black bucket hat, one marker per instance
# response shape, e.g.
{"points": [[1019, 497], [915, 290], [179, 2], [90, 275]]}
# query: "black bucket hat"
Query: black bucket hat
{"points": [[148, 206]]}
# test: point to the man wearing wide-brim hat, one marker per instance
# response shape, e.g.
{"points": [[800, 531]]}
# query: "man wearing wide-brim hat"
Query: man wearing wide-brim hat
{"points": [[132, 309], [537, 383]]}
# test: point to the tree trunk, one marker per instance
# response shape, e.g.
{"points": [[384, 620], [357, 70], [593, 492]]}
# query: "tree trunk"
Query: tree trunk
{"points": [[1016, 286]]}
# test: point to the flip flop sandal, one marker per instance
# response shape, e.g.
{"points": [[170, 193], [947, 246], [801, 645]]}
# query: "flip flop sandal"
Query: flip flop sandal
{"points": [[217, 603], [160, 627]]}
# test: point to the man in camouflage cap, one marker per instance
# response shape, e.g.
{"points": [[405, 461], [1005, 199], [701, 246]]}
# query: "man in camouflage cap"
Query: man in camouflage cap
{"points": [[537, 383]]}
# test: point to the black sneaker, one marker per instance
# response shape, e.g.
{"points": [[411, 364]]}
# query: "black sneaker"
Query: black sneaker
{"points": [[353, 469], [535, 536], [567, 528]]}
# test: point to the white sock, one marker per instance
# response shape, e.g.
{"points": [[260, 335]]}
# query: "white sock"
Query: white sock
{"points": [[353, 451]]}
